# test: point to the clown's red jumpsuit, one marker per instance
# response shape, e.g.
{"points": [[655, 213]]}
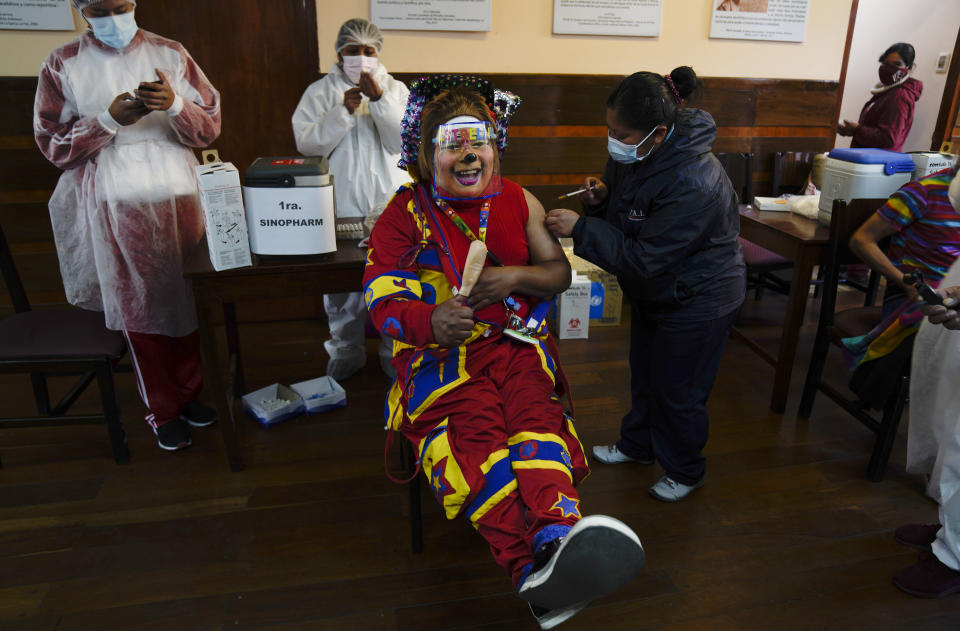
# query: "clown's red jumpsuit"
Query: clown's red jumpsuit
{"points": [[484, 417]]}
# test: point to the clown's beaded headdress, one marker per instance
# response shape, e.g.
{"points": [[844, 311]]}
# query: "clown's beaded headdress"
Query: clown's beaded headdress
{"points": [[503, 104]]}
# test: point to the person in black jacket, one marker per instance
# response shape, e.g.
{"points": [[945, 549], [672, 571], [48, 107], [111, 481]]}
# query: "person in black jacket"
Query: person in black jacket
{"points": [[664, 219]]}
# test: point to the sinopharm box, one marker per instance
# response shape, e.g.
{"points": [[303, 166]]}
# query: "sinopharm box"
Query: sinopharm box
{"points": [[290, 207]]}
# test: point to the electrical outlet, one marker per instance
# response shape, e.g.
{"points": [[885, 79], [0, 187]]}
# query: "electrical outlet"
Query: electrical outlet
{"points": [[943, 62]]}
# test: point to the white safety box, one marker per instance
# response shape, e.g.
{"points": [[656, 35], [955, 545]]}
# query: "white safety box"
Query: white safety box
{"points": [[573, 310], [928, 162], [862, 174], [223, 217], [290, 206]]}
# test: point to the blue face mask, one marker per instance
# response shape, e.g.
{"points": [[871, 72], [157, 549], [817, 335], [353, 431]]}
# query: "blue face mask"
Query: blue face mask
{"points": [[627, 154], [115, 31]]}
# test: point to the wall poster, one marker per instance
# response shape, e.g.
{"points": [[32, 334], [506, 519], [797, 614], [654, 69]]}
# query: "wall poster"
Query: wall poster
{"points": [[607, 17], [36, 15], [772, 20], [431, 15]]}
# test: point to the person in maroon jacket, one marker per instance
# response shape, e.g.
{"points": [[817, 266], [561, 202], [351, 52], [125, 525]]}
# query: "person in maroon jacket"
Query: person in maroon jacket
{"points": [[887, 117]]}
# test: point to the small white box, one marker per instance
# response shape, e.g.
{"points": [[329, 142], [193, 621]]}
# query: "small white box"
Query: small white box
{"points": [[321, 394], [861, 174], [573, 310], [223, 215], [252, 404]]}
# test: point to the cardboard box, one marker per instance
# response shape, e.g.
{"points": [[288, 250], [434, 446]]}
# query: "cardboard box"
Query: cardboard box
{"points": [[573, 310], [606, 297], [223, 215], [267, 417], [321, 394]]}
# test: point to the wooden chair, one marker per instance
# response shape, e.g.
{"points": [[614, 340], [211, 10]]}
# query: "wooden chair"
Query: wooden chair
{"points": [[761, 263], [790, 173], [834, 325], [791, 170], [60, 342]]}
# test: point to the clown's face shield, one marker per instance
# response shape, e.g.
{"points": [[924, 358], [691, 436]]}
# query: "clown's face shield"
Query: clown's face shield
{"points": [[466, 164]]}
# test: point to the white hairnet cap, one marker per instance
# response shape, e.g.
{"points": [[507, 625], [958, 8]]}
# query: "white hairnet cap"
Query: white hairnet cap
{"points": [[359, 31], [80, 5]]}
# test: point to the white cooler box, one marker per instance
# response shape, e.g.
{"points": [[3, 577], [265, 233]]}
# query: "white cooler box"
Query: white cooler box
{"points": [[862, 174], [290, 207]]}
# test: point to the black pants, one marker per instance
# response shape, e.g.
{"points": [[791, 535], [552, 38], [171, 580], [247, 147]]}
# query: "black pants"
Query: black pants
{"points": [[673, 365]]}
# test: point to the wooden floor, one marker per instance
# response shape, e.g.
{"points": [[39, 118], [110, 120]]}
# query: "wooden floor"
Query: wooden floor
{"points": [[787, 533]]}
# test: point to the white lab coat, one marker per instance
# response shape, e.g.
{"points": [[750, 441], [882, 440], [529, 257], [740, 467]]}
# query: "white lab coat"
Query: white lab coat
{"points": [[126, 210], [933, 437], [363, 149]]}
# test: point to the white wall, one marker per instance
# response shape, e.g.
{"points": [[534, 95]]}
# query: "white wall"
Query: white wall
{"points": [[22, 52], [931, 26], [521, 41]]}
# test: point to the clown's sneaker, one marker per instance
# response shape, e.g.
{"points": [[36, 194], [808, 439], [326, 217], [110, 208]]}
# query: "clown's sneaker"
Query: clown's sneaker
{"points": [[597, 557], [549, 618]]}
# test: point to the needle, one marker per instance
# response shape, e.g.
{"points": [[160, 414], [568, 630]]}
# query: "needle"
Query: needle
{"points": [[582, 190]]}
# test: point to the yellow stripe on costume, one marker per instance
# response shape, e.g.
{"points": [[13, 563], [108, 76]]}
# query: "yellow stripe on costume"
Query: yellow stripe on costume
{"points": [[443, 471], [533, 450], [387, 285], [499, 484]]}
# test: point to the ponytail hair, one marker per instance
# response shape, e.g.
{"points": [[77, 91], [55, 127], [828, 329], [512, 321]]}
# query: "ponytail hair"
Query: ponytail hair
{"points": [[645, 99]]}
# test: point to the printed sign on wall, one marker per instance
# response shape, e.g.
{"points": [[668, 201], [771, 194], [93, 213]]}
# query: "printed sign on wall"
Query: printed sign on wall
{"points": [[36, 15], [607, 17], [771, 20], [431, 15]]}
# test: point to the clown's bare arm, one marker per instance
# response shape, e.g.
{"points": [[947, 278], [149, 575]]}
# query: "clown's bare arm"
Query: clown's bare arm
{"points": [[548, 273]]}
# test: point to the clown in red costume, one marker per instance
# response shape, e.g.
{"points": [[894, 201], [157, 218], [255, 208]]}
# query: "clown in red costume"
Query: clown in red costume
{"points": [[478, 381]]}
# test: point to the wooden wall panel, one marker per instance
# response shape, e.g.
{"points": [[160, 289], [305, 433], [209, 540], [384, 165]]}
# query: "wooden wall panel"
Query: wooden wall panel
{"points": [[558, 136]]}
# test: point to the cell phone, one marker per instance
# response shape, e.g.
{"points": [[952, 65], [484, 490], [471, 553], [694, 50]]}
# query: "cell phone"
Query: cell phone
{"points": [[926, 292]]}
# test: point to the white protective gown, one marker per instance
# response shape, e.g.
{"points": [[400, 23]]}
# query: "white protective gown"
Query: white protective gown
{"points": [[126, 210], [933, 437], [363, 149]]}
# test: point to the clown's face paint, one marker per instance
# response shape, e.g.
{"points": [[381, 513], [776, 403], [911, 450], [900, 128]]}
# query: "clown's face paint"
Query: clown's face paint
{"points": [[465, 161]]}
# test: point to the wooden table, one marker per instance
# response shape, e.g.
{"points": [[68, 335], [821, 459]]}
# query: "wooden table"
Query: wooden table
{"points": [[804, 242], [274, 277]]}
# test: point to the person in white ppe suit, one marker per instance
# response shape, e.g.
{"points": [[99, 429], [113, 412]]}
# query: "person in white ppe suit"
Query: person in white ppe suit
{"points": [[352, 116], [933, 440], [118, 109]]}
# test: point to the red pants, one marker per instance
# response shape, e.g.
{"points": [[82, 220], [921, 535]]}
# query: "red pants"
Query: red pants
{"points": [[498, 447], [169, 372]]}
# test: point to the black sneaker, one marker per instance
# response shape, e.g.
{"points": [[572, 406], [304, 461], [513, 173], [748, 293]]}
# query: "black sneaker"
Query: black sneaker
{"points": [[173, 435], [198, 414], [549, 618], [598, 556]]}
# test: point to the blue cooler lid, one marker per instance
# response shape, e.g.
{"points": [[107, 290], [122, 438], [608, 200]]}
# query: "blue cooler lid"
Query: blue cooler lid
{"points": [[892, 161]]}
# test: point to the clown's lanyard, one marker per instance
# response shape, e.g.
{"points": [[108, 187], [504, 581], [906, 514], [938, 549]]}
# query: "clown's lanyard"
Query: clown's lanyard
{"points": [[482, 229]]}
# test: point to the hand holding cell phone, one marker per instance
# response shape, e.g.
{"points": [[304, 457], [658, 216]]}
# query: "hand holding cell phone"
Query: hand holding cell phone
{"points": [[156, 95], [926, 292]]}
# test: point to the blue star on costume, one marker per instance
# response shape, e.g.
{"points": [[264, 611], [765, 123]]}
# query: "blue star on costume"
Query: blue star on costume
{"points": [[569, 507], [529, 449], [437, 481]]}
